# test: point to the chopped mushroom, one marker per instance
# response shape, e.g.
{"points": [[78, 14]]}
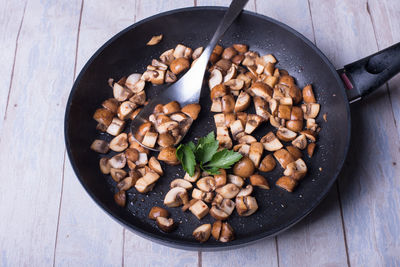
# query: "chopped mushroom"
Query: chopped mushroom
{"points": [[310, 110], [300, 142], [297, 169], [179, 64], [295, 152], [193, 178], [181, 183], [199, 209], [267, 164], [126, 183], [260, 181], [119, 143], [242, 102], [283, 157], [286, 183], [246, 205], [116, 127], [308, 94], [285, 134], [105, 165], [227, 233], [244, 192], [236, 180], [146, 183], [155, 39], [155, 165], [228, 191], [244, 167], [192, 110], [100, 146], [253, 121], [176, 197], [215, 78], [118, 161], [216, 229], [157, 212], [202, 233], [117, 174], [310, 149], [166, 225], [270, 142], [206, 184], [168, 155], [103, 116], [255, 153], [120, 198], [220, 179]]}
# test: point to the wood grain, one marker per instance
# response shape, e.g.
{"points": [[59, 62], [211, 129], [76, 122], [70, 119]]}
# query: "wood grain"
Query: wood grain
{"points": [[11, 12], [86, 235], [32, 135], [369, 186]]}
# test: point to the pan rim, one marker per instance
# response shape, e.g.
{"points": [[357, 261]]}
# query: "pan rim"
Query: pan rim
{"points": [[182, 244]]}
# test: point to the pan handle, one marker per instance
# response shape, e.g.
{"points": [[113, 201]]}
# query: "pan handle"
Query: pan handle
{"points": [[366, 75]]}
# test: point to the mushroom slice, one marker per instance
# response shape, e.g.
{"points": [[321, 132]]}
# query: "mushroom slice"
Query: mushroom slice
{"points": [[310, 149], [167, 56], [284, 111], [227, 206], [311, 125], [308, 94], [193, 178], [243, 149], [166, 225], [260, 181], [236, 180], [103, 116], [262, 90], [142, 130], [158, 212], [117, 174], [176, 197], [297, 169], [132, 80], [116, 127], [246, 205], [179, 65], [167, 126], [234, 84], [275, 121], [118, 161], [300, 142], [126, 183], [228, 103], [168, 154], [170, 77], [261, 107], [228, 191], [283, 157], [267, 164], [255, 153], [220, 179], [206, 184], [295, 125], [199, 209], [311, 135], [295, 152], [155, 40], [120, 92], [287, 183], [285, 134], [270, 142], [244, 192], [236, 127], [202, 233], [287, 101], [223, 137], [310, 110], [142, 160], [227, 233], [242, 102], [215, 78], [104, 165], [111, 104], [181, 183], [217, 200], [247, 139], [273, 106], [192, 110], [120, 198], [119, 143], [253, 121], [146, 183], [155, 165], [179, 51], [159, 65], [269, 58], [218, 214], [216, 105], [150, 139], [100, 146], [198, 194], [197, 52], [231, 74]]}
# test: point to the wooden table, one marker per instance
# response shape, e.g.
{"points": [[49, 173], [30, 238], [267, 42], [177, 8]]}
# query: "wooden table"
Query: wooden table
{"points": [[48, 219]]}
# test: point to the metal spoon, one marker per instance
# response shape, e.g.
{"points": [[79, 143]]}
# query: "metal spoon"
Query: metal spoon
{"points": [[188, 88]]}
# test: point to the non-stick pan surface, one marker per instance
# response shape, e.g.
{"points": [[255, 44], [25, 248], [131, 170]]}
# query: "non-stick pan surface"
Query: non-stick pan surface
{"points": [[127, 53]]}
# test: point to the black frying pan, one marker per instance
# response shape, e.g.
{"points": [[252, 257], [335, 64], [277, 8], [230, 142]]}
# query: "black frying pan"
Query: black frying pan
{"points": [[126, 53]]}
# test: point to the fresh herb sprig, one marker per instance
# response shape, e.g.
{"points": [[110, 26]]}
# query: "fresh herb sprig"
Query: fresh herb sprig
{"points": [[206, 155]]}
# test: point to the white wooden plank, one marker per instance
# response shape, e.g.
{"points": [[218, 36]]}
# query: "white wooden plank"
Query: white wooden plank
{"points": [[249, 6], [86, 235], [320, 236], [12, 14], [369, 187], [150, 253], [32, 135]]}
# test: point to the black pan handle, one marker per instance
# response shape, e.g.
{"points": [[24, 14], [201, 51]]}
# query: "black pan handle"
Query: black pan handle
{"points": [[366, 75]]}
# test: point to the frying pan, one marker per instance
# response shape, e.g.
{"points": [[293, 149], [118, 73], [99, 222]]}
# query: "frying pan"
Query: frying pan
{"points": [[127, 53]]}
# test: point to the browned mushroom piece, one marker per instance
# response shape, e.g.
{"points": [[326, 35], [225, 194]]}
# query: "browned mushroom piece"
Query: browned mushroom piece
{"points": [[287, 183], [111, 104], [218, 91], [138, 98], [241, 48], [220, 179], [142, 160], [308, 94], [120, 198], [218, 214], [246, 138], [100, 146], [283, 157], [284, 112], [294, 151], [206, 184], [262, 90], [285, 134], [267, 164], [215, 78], [311, 135], [236, 127], [119, 143], [157, 212], [118, 161], [223, 138], [166, 225], [244, 167], [165, 140], [104, 165], [117, 174], [255, 153], [202, 233], [228, 191], [300, 142], [155, 165], [224, 65], [216, 105], [176, 197], [246, 205], [195, 176], [167, 56], [150, 139], [171, 107], [132, 154], [121, 93], [155, 39], [253, 121], [142, 130], [103, 116], [199, 209], [126, 183], [192, 110], [297, 169], [242, 102], [259, 180], [230, 74], [310, 110], [168, 155], [271, 142], [216, 229], [228, 103], [236, 180], [181, 183], [147, 182], [229, 53], [244, 192], [310, 149]]}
